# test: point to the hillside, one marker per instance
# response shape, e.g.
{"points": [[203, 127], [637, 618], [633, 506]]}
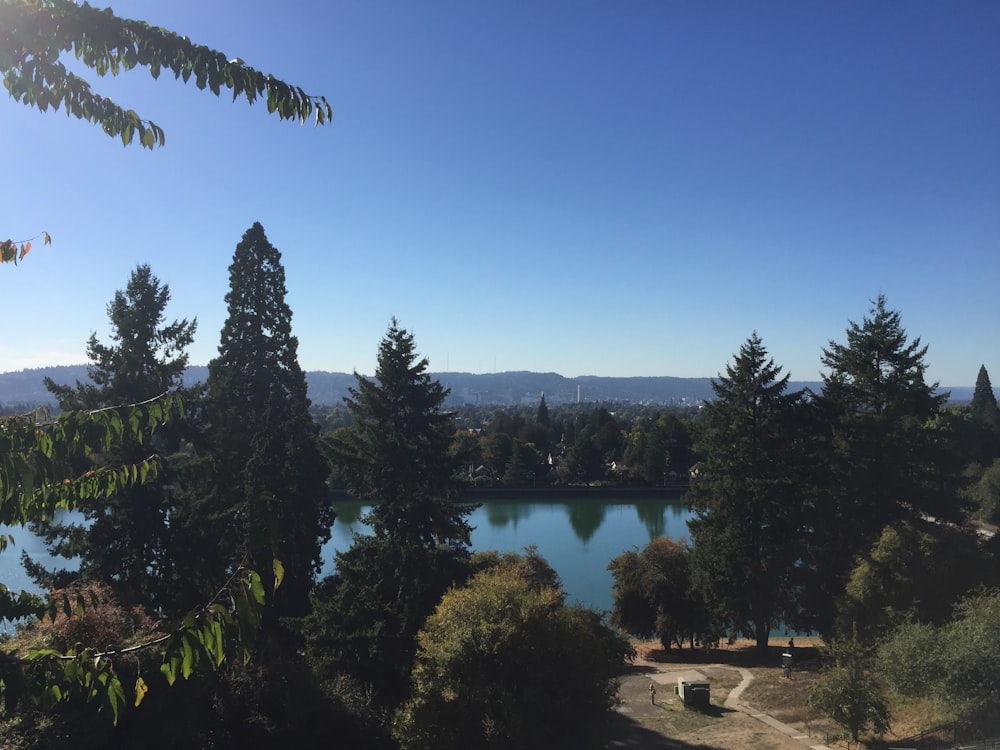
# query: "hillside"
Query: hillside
{"points": [[25, 388]]}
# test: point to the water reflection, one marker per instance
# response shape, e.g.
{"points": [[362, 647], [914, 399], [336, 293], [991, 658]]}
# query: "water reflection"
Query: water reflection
{"points": [[578, 537], [586, 517], [500, 514], [349, 512], [653, 515]]}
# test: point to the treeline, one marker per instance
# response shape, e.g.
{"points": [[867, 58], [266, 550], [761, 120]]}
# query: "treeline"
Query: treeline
{"points": [[865, 512], [154, 637], [858, 512]]}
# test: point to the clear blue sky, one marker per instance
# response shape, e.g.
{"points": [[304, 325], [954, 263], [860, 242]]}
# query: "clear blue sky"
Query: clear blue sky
{"points": [[589, 188]]}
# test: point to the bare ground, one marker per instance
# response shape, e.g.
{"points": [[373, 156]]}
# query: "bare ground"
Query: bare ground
{"points": [[667, 724]]}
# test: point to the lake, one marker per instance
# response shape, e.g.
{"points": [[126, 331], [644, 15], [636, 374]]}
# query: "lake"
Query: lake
{"points": [[577, 535]]}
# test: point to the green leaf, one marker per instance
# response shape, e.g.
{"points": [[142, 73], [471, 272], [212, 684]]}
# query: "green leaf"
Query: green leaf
{"points": [[171, 666], [279, 572], [141, 688]]}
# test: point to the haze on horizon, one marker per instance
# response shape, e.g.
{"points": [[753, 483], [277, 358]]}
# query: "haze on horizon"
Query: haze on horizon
{"points": [[568, 187]]}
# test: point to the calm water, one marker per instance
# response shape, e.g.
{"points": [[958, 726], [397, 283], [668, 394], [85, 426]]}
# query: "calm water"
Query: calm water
{"points": [[577, 536]]}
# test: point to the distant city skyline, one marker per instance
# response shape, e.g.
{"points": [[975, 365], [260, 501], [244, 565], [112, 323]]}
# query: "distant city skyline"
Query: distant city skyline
{"points": [[571, 187]]}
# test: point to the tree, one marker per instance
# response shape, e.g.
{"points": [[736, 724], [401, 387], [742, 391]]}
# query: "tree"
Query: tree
{"points": [[500, 666], [883, 455], [268, 495], [35, 34], [653, 596], [912, 573], [985, 427], [746, 506], [596, 444], [395, 454], [36, 480], [984, 402], [123, 540], [849, 693], [956, 664]]}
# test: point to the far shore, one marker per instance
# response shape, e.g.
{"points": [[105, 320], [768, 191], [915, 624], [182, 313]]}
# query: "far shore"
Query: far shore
{"points": [[576, 492], [558, 492]]}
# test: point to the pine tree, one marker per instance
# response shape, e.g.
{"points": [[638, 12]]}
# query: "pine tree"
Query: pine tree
{"points": [[883, 456], [984, 402], [124, 539], [395, 454], [880, 409], [747, 513], [268, 498]]}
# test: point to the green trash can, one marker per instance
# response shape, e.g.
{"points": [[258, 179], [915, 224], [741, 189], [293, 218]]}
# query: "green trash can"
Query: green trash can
{"points": [[693, 694]]}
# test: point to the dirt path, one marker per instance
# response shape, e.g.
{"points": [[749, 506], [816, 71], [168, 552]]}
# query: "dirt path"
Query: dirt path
{"points": [[729, 723]]}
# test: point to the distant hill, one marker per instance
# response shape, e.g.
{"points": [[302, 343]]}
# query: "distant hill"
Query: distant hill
{"points": [[26, 389]]}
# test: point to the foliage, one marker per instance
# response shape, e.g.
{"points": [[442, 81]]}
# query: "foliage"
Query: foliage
{"points": [[124, 538], [985, 494], [849, 693], [13, 251], [268, 491], [883, 453], [34, 454], [396, 455], [984, 427], [747, 521], [984, 402], [35, 34], [659, 449], [504, 662], [653, 596], [913, 572], [597, 442], [957, 663]]}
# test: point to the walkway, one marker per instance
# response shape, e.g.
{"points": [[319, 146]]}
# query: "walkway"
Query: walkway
{"points": [[732, 701], [668, 678]]}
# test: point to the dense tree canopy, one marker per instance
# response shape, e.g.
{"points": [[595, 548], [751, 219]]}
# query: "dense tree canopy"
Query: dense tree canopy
{"points": [[268, 476], [124, 540], [653, 596], [882, 454], [957, 664], [395, 454], [504, 662]]}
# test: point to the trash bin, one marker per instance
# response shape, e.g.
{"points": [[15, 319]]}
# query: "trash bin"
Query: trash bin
{"points": [[693, 694]]}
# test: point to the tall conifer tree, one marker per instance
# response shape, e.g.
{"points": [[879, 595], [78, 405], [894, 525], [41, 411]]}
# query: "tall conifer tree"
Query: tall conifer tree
{"points": [[268, 472], [747, 512], [885, 459], [123, 542], [396, 456], [984, 402]]}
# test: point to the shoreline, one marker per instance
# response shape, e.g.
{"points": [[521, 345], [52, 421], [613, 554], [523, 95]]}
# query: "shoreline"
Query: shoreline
{"points": [[671, 491]]}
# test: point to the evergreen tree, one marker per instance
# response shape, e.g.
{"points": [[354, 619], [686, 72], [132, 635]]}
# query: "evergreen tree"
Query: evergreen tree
{"points": [[395, 454], [984, 402], [985, 420], [268, 491], [543, 413], [747, 511], [123, 541], [884, 456]]}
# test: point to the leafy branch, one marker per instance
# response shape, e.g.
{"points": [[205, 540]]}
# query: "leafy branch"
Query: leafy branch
{"points": [[35, 33], [13, 251], [226, 626]]}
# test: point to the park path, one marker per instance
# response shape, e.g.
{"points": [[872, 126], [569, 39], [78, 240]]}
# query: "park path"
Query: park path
{"points": [[667, 675]]}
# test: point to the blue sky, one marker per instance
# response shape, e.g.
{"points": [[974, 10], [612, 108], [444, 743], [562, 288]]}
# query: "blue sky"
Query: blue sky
{"points": [[589, 188]]}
